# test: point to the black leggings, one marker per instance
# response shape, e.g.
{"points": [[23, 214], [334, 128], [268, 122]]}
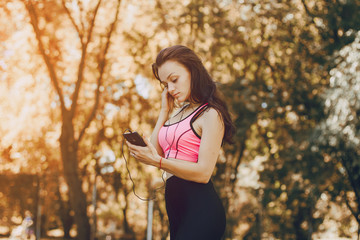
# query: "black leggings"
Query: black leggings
{"points": [[194, 209]]}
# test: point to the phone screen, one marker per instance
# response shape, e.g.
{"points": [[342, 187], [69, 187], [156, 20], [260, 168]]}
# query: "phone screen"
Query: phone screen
{"points": [[134, 138]]}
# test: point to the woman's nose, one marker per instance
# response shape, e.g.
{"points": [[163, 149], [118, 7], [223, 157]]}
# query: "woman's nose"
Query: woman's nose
{"points": [[171, 88]]}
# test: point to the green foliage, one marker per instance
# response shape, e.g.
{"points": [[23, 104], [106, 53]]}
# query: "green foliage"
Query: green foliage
{"points": [[289, 71], [338, 134]]}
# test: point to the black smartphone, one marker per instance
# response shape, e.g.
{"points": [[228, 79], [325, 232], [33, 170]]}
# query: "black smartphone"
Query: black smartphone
{"points": [[134, 138]]}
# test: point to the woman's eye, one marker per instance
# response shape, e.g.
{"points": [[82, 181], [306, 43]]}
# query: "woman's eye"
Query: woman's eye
{"points": [[174, 80]]}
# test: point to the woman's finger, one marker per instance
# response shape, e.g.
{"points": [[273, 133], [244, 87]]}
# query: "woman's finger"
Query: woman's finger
{"points": [[149, 144], [146, 140]]}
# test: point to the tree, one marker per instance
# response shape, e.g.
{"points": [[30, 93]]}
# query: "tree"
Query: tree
{"points": [[272, 59], [338, 135], [49, 44], [298, 173]]}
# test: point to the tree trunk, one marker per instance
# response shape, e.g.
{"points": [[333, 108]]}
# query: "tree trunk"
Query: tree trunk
{"points": [[125, 222], [77, 197], [64, 213], [298, 220]]}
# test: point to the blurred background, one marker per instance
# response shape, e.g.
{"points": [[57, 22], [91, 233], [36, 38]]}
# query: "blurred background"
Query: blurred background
{"points": [[75, 74]]}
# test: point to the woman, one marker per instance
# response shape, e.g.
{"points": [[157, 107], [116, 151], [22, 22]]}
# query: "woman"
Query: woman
{"points": [[187, 144]]}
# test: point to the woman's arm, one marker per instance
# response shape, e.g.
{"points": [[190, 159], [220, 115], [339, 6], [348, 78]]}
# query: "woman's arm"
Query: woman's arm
{"points": [[212, 135], [163, 116]]}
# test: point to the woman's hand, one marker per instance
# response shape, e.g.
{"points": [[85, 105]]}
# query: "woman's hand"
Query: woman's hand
{"points": [[147, 155], [167, 101]]}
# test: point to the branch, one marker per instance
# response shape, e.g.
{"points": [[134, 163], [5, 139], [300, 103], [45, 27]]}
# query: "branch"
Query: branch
{"points": [[80, 76], [350, 176], [164, 22], [239, 158], [307, 10], [353, 212], [54, 79], [81, 34], [163, 16], [81, 7], [311, 15], [102, 66]]}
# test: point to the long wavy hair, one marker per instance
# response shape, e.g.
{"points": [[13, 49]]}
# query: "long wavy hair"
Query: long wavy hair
{"points": [[203, 88]]}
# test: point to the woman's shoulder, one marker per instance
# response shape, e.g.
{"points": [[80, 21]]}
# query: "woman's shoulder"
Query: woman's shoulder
{"points": [[211, 114], [211, 121]]}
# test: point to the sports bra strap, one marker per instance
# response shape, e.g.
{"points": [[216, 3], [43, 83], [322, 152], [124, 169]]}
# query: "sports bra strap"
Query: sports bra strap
{"points": [[199, 112]]}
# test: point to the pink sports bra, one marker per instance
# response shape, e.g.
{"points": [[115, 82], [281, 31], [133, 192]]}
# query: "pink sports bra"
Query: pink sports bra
{"points": [[179, 140]]}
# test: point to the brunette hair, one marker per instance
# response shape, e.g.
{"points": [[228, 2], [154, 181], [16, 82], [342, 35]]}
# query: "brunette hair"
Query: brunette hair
{"points": [[203, 88]]}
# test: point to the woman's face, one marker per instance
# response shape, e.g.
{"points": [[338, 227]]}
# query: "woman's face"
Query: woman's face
{"points": [[177, 79]]}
